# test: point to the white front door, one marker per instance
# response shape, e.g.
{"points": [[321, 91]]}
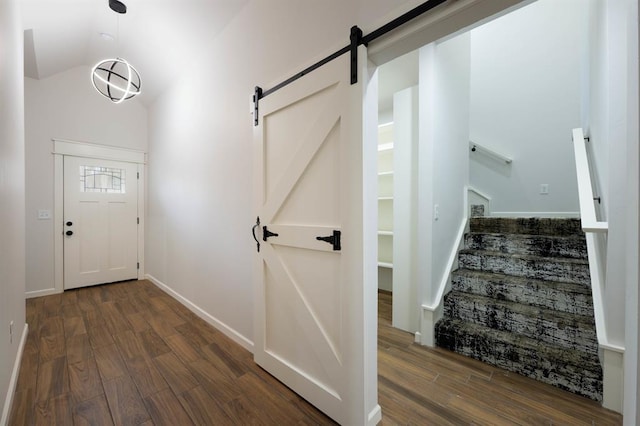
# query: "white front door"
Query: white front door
{"points": [[100, 221], [309, 292]]}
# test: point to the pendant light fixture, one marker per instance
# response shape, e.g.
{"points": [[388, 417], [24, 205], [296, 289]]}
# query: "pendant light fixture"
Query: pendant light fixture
{"points": [[116, 79]]}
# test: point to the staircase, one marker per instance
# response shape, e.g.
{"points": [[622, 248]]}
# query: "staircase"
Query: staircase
{"points": [[521, 300]]}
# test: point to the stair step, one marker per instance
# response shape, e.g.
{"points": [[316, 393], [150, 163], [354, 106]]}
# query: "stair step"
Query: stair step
{"points": [[551, 327], [550, 269], [575, 371], [530, 226], [574, 247], [560, 296]]}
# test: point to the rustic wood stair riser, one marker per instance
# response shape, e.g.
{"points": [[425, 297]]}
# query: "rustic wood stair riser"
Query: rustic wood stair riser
{"points": [[559, 296], [565, 330], [534, 245], [558, 269]]}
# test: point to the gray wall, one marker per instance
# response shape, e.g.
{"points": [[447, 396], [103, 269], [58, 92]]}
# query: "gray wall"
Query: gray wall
{"points": [[527, 73]]}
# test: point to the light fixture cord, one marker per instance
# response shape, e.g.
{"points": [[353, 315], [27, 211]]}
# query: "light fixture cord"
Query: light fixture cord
{"points": [[118, 34]]}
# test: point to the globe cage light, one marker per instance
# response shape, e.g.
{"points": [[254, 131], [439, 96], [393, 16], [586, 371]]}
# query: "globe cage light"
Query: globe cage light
{"points": [[116, 79]]}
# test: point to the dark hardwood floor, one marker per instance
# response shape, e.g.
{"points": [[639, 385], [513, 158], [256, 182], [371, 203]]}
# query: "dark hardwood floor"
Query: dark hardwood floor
{"points": [[128, 354]]}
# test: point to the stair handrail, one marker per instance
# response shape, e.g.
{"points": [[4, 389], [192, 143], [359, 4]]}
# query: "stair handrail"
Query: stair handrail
{"points": [[593, 229], [585, 190], [476, 147]]}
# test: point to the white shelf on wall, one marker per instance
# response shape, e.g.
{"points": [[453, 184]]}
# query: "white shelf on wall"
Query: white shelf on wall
{"points": [[385, 182], [385, 265], [386, 233], [385, 198], [385, 147]]}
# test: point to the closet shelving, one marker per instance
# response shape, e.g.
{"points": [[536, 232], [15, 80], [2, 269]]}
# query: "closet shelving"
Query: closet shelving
{"points": [[385, 195]]}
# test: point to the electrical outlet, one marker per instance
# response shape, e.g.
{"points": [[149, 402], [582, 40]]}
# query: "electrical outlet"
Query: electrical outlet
{"points": [[544, 189]]}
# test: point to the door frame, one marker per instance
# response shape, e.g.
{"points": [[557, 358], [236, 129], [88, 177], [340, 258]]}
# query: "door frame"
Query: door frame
{"points": [[64, 147], [444, 22]]}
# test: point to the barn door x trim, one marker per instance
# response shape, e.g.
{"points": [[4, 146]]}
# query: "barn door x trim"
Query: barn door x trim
{"points": [[356, 39]]}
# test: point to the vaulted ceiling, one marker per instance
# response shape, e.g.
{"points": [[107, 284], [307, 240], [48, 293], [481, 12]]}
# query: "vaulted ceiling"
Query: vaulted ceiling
{"points": [[159, 37]]}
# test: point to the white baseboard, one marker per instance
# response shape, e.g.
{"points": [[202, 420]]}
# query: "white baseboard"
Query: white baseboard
{"points": [[39, 293], [375, 416], [213, 321], [13, 382], [568, 215], [612, 379], [428, 319]]}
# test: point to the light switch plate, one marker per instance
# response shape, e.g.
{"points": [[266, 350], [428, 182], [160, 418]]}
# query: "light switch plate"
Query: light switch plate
{"points": [[44, 214]]}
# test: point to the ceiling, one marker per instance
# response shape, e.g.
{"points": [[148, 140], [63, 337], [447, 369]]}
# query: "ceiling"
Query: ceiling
{"points": [[158, 37]]}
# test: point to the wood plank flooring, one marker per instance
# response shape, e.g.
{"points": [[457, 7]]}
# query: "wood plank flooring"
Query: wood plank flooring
{"points": [[128, 354], [420, 385]]}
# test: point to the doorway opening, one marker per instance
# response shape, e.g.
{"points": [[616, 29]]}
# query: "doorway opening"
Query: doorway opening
{"points": [[103, 185]]}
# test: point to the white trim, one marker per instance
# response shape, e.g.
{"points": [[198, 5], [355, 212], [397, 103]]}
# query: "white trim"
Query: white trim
{"points": [[570, 215], [431, 313], [93, 150], [13, 382], [58, 223], [442, 23], [213, 321], [375, 416], [62, 147], [612, 348], [478, 193], [141, 217], [612, 355], [612, 379], [597, 275], [40, 293]]}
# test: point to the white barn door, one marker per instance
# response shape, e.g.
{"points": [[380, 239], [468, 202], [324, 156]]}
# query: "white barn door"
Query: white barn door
{"points": [[309, 309], [100, 221]]}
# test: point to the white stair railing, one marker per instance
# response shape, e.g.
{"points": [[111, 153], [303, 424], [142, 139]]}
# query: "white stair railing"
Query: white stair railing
{"points": [[595, 233]]}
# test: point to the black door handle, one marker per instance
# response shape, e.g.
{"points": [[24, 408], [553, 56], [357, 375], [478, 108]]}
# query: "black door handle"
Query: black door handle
{"points": [[253, 231], [69, 233], [266, 233], [333, 239]]}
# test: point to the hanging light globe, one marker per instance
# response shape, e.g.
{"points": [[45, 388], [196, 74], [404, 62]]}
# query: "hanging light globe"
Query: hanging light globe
{"points": [[116, 79]]}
